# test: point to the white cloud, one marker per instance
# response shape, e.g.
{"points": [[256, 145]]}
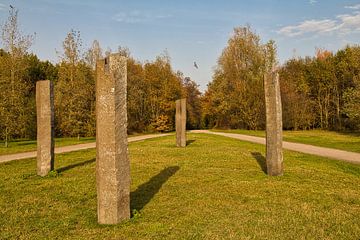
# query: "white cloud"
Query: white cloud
{"points": [[313, 2], [137, 17], [341, 24], [309, 26], [131, 17], [349, 23], [356, 6]]}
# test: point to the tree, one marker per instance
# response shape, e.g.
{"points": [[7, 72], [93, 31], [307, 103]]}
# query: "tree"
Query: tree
{"points": [[137, 101], [13, 101], [298, 106], [164, 89], [193, 98], [352, 106], [75, 91], [94, 54], [347, 65], [320, 91], [235, 96]]}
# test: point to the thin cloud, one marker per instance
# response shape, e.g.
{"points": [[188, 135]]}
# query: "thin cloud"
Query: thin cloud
{"points": [[137, 17], [349, 23], [313, 2], [131, 17], [354, 7], [164, 16], [342, 24], [309, 26]]}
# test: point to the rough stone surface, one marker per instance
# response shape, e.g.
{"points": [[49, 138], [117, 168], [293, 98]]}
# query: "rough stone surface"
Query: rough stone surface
{"points": [[274, 152], [180, 122], [45, 127], [112, 162]]}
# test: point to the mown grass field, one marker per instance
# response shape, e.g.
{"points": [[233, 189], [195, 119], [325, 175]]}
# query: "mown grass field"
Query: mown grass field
{"points": [[339, 140], [215, 188], [21, 145], [18, 146], [342, 141]]}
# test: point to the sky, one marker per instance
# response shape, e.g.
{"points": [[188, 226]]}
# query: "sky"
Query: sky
{"points": [[189, 31]]}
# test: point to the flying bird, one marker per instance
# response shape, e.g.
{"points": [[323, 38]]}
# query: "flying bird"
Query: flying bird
{"points": [[196, 66]]}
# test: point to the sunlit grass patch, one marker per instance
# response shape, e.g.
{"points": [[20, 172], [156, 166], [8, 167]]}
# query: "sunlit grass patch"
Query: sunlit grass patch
{"points": [[215, 188]]}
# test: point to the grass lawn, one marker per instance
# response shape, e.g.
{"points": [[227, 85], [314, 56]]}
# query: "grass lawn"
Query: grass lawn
{"points": [[343, 141], [213, 189], [18, 146]]}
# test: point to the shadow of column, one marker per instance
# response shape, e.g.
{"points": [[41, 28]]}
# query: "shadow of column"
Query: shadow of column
{"points": [[145, 192], [261, 160], [63, 169]]}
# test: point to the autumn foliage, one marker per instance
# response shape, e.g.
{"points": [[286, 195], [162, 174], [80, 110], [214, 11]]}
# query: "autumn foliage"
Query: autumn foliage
{"points": [[317, 92]]}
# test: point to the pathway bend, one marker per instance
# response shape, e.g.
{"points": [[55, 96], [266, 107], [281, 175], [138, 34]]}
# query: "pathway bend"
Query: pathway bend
{"points": [[298, 147]]}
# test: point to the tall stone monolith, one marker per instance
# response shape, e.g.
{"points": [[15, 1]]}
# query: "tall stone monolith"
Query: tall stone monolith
{"points": [[274, 152], [45, 126], [112, 161], [180, 121]]}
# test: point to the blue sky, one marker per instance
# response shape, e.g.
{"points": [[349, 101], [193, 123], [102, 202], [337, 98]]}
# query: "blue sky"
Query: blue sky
{"points": [[190, 31]]}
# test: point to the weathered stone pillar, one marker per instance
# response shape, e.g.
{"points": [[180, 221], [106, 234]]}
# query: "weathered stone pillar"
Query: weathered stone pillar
{"points": [[112, 161], [274, 153], [180, 122], [45, 127]]}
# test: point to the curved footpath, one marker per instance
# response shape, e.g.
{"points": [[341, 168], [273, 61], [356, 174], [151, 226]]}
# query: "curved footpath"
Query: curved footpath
{"points": [[71, 148], [298, 147], [303, 148]]}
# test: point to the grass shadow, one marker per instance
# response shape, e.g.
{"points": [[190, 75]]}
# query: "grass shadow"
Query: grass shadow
{"points": [[349, 133], [188, 142], [145, 192], [26, 143], [66, 168], [261, 160]]}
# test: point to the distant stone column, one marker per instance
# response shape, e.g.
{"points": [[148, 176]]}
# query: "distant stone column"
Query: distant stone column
{"points": [[180, 122], [274, 153], [112, 161], [45, 127]]}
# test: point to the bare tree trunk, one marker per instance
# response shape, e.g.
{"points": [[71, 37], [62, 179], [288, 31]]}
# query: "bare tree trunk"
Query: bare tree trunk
{"points": [[6, 137], [321, 113], [338, 119]]}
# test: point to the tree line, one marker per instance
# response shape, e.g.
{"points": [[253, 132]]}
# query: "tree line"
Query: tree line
{"points": [[320, 92], [317, 92], [153, 87]]}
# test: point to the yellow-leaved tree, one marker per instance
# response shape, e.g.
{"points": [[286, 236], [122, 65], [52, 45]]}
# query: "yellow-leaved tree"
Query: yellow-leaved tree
{"points": [[14, 90]]}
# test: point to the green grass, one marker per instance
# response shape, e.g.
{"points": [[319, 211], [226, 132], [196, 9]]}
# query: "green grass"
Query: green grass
{"points": [[21, 145], [339, 140], [343, 141], [213, 189], [18, 146]]}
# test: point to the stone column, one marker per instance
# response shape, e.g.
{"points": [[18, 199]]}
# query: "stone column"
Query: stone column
{"points": [[274, 153], [45, 127], [180, 122], [112, 161]]}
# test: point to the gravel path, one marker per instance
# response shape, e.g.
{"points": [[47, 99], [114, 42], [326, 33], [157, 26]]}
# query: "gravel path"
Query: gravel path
{"points": [[71, 148], [303, 148]]}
